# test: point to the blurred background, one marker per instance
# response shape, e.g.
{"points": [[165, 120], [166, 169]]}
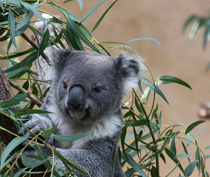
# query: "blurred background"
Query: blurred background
{"points": [[178, 56]]}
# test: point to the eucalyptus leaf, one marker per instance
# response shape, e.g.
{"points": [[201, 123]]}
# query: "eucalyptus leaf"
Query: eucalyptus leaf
{"points": [[140, 39], [188, 21], [154, 87], [31, 111], [68, 138], [193, 125], [172, 79], [80, 4], [101, 18], [31, 164], [12, 145], [91, 11], [190, 168], [49, 132], [11, 21]]}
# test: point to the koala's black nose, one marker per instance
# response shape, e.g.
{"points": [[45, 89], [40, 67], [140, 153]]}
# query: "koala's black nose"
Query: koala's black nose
{"points": [[76, 98]]}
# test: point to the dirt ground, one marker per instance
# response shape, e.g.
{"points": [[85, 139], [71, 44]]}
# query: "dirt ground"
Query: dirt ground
{"points": [[177, 56]]}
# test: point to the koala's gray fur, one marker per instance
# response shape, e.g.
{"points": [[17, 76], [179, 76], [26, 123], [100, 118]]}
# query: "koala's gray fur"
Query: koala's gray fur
{"points": [[86, 94]]}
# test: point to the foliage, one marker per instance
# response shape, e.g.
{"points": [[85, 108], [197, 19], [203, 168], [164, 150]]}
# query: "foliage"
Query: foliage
{"points": [[196, 23], [150, 140]]}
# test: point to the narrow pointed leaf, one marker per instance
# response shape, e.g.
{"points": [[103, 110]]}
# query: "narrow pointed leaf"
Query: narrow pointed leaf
{"points": [[101, 18], [201, 132], [140, 39], [12, 145], [44, 42], [193, 125], [72, 25], [189, 139], [25, 20], [188, 21], [206, 34], [154, 87], [92, 10], [49, 132], [140, 123], [172, 79], [183, 155], [31, 164], [194, 28], [11, 21], [190, 168], [34, 10], [173, 147], [80, 4], [65, 138], [31, 111]]}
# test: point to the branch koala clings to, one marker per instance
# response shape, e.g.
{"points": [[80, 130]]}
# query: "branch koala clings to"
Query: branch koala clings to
{"points": [[86, 95]]}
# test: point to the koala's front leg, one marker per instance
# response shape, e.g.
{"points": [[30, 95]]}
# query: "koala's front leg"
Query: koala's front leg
{"points": [[35, 125]]}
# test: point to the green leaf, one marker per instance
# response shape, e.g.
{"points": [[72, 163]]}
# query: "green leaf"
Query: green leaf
{"points": [[33, 8], [30, 111], [172, 79], [15, 2], [101, 18], [72, 25], [67, 1], [173, 146], [188, 21], [189, 139], [168, 152], [139, 39], [12, 145], [11, 21], [183, 155], [201, 132], [154, 172], [28, 60], [25, 20], [1, 5], [189, 169], [154, 87], [66, 162], [49, 132], [134, 165], [206, 34], [194, 28], [44, 42], [193, 125], [140, 123], [31, 164], [92, 10], [80, 4], [207, 156], [206, 148], [13, 101], [66, 138], [67, 13]]}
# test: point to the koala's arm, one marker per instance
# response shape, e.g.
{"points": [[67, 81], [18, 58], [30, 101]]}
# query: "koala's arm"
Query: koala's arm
{"points": [[99, 158], [39, 122]]}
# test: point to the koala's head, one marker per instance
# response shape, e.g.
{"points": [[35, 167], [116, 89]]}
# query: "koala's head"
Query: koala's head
{"points": [[88, 86]]}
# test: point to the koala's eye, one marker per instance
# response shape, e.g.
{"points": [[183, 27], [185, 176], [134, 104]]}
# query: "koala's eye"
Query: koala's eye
{"points": [[65, 85], [97, 89]]}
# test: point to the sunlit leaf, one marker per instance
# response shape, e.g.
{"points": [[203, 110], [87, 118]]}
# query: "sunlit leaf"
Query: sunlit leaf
{"points": [[194, 28], [193, 125], [183, 155], [188, 21], [80, 4], [189, 139], [172, 79]]}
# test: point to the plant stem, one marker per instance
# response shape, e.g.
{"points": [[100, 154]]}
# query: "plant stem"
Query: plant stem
{"points": [[152, 134]]}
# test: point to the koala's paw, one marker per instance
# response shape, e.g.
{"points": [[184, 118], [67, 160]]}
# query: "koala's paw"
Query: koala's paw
{"points": [[35, 126]]}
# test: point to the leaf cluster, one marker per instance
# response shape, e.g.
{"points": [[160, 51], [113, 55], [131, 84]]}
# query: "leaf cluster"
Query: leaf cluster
{"points": [[151, 141]]}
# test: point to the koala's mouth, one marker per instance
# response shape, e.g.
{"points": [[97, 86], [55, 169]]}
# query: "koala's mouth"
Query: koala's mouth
{"points": [[77, 115]]}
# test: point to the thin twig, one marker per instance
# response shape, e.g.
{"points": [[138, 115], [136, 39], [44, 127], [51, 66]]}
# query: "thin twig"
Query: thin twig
{"points": [[31, 96]]}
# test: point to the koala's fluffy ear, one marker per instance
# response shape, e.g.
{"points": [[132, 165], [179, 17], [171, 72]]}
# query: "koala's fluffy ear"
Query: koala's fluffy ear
{"points": [[53, 54], [131, 69]]}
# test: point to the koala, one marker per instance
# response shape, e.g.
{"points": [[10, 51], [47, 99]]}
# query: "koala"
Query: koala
{"points": [[85, 96]]}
